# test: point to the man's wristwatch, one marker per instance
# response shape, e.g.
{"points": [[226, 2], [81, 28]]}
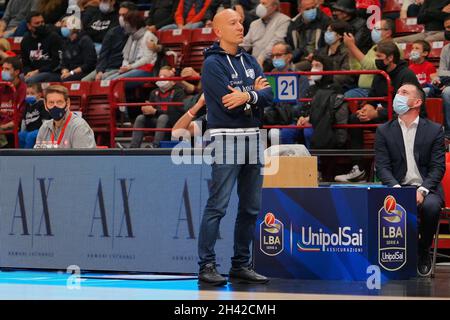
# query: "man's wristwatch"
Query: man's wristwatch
{"points": [[71, 72]]}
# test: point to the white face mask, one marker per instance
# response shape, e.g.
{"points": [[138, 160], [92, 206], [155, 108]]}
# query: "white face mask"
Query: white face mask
{"points": [[315, 77], [104, 7], [122, 21], [261, 11], [164, 85]]}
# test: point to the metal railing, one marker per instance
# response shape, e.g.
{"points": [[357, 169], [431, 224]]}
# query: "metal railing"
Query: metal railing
{"points": [[114, 104]]}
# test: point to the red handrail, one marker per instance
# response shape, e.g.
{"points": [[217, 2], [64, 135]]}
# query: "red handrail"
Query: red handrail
{"points": [[15, 130], [114, 104]]}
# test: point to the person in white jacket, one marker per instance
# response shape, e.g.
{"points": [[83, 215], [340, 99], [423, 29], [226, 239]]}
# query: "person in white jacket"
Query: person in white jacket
{"points": [[140, 51]]}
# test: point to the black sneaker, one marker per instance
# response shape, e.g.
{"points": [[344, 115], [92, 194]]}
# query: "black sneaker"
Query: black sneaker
{"points": [[246, 275], [209, 275], [424, 264]]}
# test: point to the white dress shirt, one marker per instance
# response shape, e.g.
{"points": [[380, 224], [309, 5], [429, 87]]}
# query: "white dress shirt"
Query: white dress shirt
{"points": [[412, 176]]}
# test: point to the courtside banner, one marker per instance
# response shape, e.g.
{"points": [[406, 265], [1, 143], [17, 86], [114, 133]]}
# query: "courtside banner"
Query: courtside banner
{"points": [[118, 213], [336, 233]]}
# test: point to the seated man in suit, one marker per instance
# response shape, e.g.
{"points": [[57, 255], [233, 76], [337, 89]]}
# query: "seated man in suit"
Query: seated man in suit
{"points": [[410, 151]]}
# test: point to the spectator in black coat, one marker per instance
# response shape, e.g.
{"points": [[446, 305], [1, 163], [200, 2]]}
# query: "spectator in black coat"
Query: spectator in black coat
{"points": [[40, 49], [346, 10], [78, 55], [104, 19], [161, 14]]}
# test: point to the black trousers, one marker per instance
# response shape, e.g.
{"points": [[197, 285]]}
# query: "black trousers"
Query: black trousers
{"points": [[428, 212]]}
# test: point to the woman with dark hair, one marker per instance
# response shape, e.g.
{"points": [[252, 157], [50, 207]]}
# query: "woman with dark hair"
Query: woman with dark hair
{"points": [[140, 51], [336, 50]]}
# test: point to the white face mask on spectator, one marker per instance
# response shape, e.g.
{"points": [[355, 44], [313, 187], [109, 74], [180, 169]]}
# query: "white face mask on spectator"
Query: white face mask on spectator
{"points": [[316, 77], [164, 85], [104, 7], [261, 11], [122, 21]]}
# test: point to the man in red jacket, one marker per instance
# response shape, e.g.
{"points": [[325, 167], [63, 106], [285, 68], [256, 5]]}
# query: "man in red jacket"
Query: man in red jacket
{"points": [[10, 99]]}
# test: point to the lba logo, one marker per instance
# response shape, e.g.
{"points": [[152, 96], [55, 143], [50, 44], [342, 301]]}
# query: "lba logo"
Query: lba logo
{"points": [[391, 235], [271, 233]]}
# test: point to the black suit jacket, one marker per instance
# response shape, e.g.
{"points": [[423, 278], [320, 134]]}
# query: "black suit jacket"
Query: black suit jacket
{"points": [[429, 153]]}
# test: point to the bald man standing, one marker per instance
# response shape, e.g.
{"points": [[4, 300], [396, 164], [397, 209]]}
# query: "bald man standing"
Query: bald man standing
{"points": [[236, 94]]}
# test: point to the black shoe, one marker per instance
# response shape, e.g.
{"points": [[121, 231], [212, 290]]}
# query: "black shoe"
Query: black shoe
{"points": [[209, 275], [424, 264], [246, 275]]}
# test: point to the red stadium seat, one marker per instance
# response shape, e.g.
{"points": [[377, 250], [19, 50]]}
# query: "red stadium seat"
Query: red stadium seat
{"points": [[436, 48], [78, 94], [435, 110], [200, 39], [177, 41], [392, 6], [408, 26], [285, 7], [98, 108]]}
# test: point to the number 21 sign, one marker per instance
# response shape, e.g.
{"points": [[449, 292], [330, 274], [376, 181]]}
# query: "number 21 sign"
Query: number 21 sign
{"points": [[287, 88]]}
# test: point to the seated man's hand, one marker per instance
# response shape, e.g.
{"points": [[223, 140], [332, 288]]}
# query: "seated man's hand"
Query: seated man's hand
{"points": [[98, 76], [189, 72], [124, 69], [367, 113], [419, 198], [31, 74], [65, 73], [152, 28], [148, 110], [303, 121]]}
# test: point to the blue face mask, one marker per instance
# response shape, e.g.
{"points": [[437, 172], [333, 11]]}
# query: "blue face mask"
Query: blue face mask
{"points": [[30, 100], [279, 63], [65, 32], [57, 113], [400, 104], [330, 37], [310, 14], [414, 55], [376, 35], [6, 76]]}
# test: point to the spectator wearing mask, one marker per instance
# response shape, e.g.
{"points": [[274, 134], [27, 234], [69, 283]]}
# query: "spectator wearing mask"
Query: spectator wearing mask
{"points": [[111, 56], [432, 14], [88, 9], [33, 116], [305, 33], [139, 58], [159, 116], [161, 14], [41, 49], [271, 27], [104, 19], [189, 14], [337, 52], [16, 11], [78, 55], [425, 71], [382, 30], [346, 10], [388, 60], [5, 51], [11, 70], [65, 130]]}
